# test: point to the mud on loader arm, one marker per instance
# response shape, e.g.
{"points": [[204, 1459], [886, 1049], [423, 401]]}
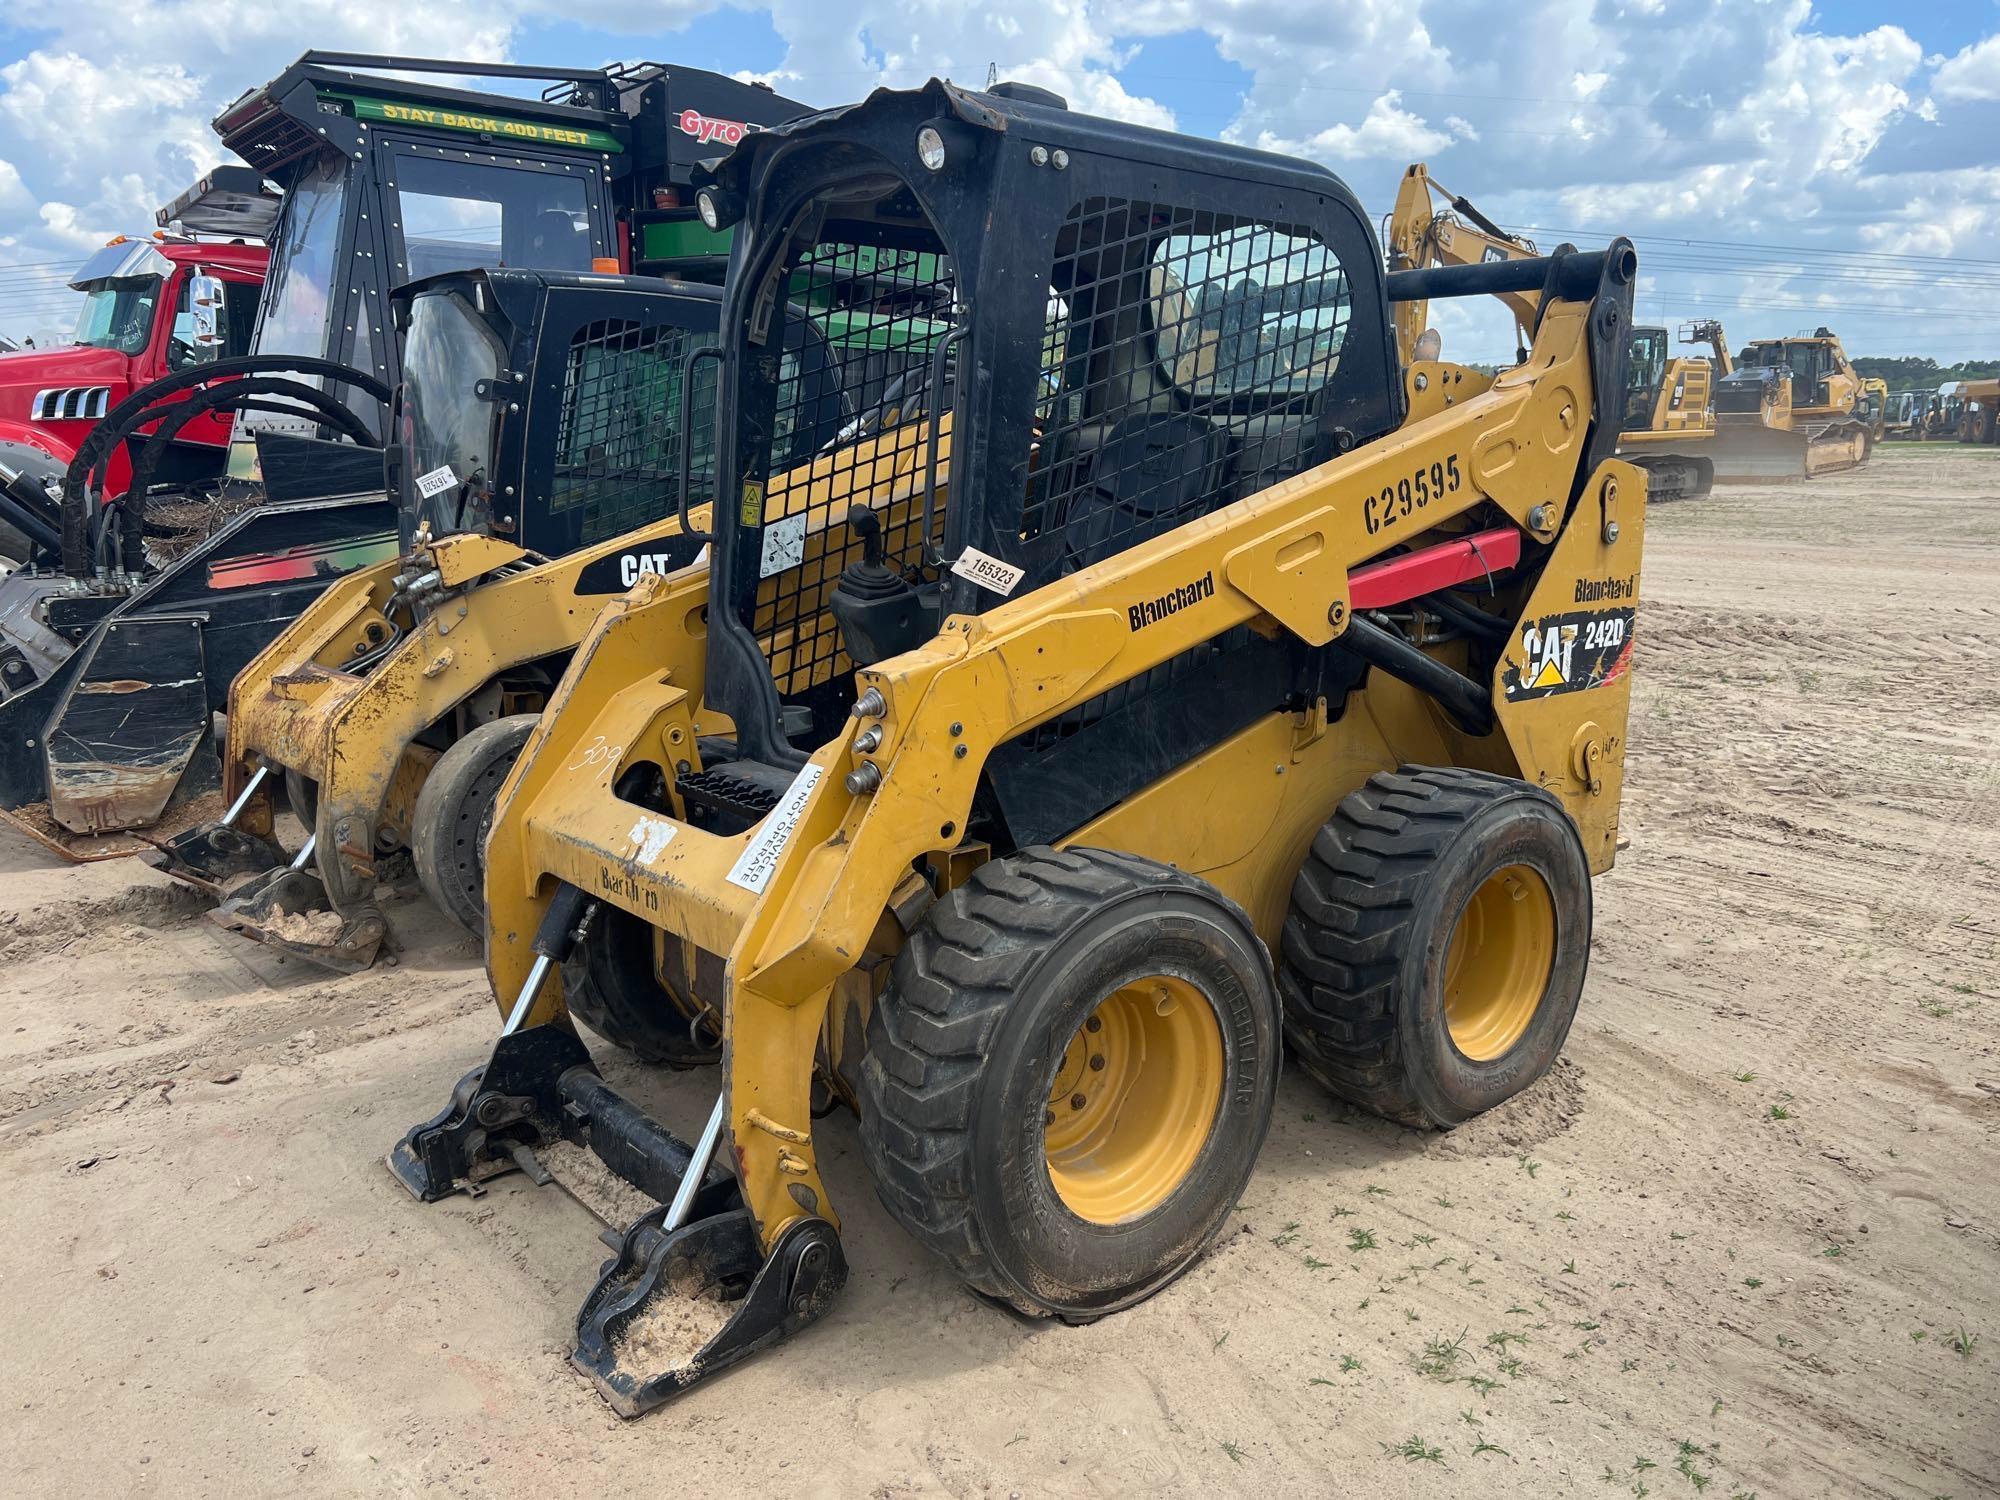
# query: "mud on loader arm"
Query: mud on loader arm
{"points": [[795, 902]]}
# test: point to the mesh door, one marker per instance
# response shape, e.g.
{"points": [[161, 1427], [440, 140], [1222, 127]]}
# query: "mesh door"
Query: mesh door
{"points": [[1185, 365], [883, 313]]}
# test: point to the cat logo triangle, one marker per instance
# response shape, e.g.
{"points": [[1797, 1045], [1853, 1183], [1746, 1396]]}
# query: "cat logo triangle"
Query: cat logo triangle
{"points": [[1550, 676]]}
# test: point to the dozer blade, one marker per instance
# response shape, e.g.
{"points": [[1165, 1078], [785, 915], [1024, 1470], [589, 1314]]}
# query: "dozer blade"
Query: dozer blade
{"points": [[674, 1305], [1765, 455], [288, 909]]}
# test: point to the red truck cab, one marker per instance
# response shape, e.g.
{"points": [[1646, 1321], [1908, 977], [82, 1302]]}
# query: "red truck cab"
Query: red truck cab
{"points": [[142, 317]]}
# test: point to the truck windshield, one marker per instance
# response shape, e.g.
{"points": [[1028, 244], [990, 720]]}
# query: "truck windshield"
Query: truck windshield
{"points": [[301, 281], [447, 428], [118, 314]]}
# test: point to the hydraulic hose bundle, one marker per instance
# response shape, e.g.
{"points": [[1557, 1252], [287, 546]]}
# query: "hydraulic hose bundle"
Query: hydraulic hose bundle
{"points": [[253, 383]]}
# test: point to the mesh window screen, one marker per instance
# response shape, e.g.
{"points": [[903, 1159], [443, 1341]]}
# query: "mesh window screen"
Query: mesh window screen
{"points": [[618, 441], [1182, 369], [883, 312], [1184, 365]]}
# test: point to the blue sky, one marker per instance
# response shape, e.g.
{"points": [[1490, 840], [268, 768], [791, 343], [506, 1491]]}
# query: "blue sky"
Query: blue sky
{"points": [[1780, 162]]}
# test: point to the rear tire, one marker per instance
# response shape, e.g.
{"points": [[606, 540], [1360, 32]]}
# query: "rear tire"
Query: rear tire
{"points": [[1068, 1077], [610, 984], [455, 809], [1437, 942]]}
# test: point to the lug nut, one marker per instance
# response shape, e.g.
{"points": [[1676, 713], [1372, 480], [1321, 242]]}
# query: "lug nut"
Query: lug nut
{"points": [[1097, 1062], [1048, 1117], [1077, 1101], [1095, 1023]]}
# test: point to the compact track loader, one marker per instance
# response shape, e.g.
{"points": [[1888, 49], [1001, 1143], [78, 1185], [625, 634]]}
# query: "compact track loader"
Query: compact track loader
{"points": [[1210, 680], [1668, 422], [1791, 408]]}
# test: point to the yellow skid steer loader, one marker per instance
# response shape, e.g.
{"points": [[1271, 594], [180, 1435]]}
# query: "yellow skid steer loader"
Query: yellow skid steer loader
{"points": [[1213, 681]]}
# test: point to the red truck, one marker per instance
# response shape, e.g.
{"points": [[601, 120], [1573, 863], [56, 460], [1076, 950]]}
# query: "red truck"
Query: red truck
{"points": [[151, 307]]}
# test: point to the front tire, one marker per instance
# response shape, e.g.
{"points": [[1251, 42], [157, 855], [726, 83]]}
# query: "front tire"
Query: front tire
{"points": [[1068, 1077], [453, 812], [1437, 942]]}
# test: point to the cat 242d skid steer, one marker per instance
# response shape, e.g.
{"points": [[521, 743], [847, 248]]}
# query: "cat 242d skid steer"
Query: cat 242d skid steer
{"points": [[1212, 681]]}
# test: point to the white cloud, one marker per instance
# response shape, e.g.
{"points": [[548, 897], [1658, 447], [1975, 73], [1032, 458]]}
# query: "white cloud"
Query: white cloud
{"points": [[1744, 121], [1387, 130], [1973, 74]]}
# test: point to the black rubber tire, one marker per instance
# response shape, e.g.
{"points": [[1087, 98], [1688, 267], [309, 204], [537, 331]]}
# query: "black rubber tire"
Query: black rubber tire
{"points": [[454, 810], [611, 985], [302, 797], [1373, 909], [964, 1043]]}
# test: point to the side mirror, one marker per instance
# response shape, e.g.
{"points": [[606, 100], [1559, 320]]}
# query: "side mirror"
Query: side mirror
{"points": [[205, 306]]}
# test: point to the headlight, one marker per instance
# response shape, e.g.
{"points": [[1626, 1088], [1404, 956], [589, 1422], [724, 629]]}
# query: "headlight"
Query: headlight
{"points": [[930, 148], [710, 210]]}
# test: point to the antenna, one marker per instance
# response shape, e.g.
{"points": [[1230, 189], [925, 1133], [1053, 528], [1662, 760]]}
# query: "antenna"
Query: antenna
{"points": [[992, 75]]}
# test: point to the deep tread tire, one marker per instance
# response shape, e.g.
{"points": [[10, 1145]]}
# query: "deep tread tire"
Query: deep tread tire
{"points": [[1373, 909], [610, 984], [454, 810], [964, 1042]]}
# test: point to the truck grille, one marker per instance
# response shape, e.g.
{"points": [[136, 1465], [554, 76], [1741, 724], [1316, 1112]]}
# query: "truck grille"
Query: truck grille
{"points": [[75, 403]]}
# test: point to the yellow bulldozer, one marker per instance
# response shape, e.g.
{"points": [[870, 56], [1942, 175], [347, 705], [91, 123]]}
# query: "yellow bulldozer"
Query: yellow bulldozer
{"points": [[1186, 675], [1666, 422], [1792, 408]]}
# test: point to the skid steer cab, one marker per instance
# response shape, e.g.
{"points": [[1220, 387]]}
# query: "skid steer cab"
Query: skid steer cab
{"points": [[546, 455], [1177, 677]]}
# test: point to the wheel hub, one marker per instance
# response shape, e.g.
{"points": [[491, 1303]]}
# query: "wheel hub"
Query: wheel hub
{"points": [[1133, 1100], [1497, 967]]}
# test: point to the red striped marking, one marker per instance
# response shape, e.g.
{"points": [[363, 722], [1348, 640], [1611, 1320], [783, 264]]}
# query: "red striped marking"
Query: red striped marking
{"points": [[1444, 566]]}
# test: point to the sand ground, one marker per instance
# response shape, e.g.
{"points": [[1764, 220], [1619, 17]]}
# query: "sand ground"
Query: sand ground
{"points": [[1746, 1239]]}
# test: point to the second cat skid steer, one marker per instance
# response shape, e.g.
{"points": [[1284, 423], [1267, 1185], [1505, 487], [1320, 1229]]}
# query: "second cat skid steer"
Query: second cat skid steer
{"points": [[541, 432], [1215, 681]]}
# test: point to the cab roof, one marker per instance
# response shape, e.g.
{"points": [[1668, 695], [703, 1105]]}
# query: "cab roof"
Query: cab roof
{"points": [[1047, 124]]}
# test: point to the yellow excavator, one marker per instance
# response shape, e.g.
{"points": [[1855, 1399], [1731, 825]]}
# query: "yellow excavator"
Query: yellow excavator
{"points": [[1665, 424], [1792, 408]]}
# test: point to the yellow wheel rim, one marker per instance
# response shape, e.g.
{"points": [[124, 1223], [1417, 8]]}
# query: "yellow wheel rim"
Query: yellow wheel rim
{"points": [[1134, 1100], [1497, 968]]}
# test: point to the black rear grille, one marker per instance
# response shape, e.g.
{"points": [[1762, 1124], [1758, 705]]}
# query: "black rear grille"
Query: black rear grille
{"points": [[719, 791]]}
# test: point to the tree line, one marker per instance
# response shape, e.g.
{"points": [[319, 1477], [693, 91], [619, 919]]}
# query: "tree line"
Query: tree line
{"points": [[1917, 372]]}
